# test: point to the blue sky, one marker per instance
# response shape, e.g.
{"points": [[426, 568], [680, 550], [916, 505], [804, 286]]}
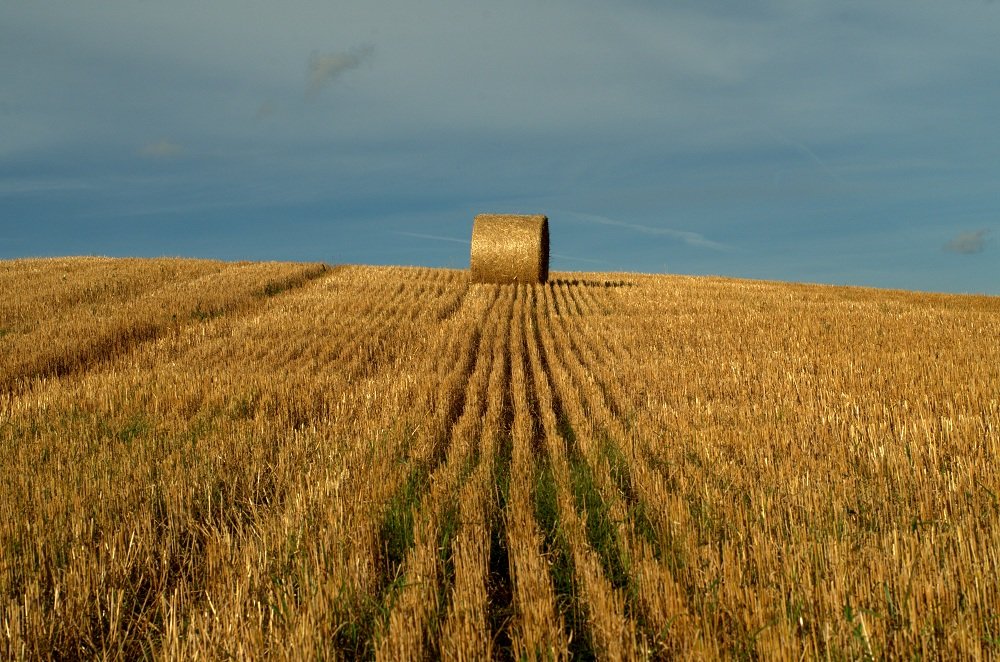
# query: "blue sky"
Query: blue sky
{"points": [[835, 142]]}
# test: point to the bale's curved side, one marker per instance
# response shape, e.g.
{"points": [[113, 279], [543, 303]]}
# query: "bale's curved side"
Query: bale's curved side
{"points": [[510, 249]]}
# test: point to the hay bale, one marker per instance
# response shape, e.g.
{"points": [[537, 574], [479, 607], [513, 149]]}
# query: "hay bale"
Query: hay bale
{"points": [[510, 249]]}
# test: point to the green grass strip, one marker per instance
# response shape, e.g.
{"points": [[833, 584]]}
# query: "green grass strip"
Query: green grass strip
{"points": [[581, 646]]}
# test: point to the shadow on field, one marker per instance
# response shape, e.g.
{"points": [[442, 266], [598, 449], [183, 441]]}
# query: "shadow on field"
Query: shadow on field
{"points": [[591, 283]]}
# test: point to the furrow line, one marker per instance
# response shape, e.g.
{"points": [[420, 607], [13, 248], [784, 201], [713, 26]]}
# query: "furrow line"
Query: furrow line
{"points": [[612, 633], [659, 602], [667, 508], [586, 326], [587, 301], [466, 633], [537, 631], [386, 477], [425, 571], [629, 415]]}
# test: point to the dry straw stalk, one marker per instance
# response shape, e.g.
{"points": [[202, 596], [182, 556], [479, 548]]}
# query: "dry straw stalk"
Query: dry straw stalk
{"points": [[510, 249]]}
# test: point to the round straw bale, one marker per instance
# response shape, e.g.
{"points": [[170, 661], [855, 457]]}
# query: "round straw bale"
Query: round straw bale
{"points": [[510, 249]]}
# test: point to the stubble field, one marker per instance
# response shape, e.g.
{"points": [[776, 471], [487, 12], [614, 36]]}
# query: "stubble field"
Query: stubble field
{"points": [[299, 461]]}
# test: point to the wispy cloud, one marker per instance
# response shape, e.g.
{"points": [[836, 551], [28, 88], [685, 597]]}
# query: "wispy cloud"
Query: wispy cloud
{"points": [[431, 237], [690, 238], [15, 186], [968, 243], [324, 68], [585, 260], [807, 152], [161, 149]]}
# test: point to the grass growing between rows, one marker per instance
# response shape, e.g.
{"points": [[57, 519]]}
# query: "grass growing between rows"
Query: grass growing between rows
{"points": [[356, 637], [499, 587], [450, 524], [396, 531], [581, 645], [600, 529], [637, 513]]}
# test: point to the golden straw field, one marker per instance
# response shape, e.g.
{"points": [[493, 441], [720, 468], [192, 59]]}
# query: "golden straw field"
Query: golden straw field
{"points": [[247, 460]]}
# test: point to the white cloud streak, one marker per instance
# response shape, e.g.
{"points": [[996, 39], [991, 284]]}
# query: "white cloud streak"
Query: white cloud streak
{"points": [[24, 185], [431, 237], [804, 149], [695, 239], [585, 260]]}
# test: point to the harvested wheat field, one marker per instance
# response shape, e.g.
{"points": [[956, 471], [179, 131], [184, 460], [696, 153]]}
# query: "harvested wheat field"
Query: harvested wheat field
{"points": [[206, 459]]}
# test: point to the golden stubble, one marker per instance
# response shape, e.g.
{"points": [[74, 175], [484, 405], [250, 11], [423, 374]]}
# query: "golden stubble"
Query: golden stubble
{"points": [[394, 462]]}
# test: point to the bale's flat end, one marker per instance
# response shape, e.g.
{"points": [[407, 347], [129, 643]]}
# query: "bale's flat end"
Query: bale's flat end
{"points": [[510, 248]]}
